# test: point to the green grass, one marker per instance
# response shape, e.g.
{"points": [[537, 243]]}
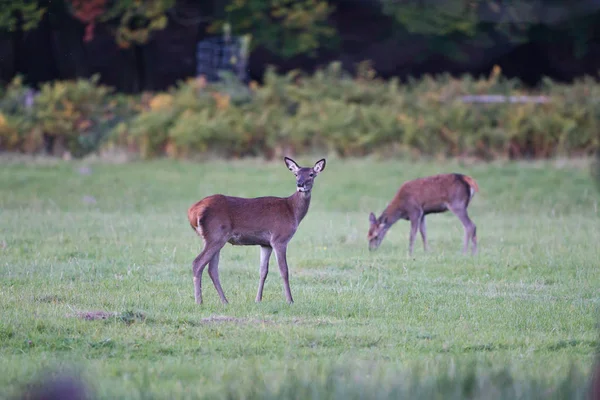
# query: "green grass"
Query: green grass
{"points": [[516, 321]]}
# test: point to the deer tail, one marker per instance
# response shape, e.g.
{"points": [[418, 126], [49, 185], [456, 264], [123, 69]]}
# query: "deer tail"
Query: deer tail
{"points": [[472, 184], [195, 216]]}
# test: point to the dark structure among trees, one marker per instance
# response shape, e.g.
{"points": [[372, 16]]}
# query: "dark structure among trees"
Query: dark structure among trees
{"points": [[149, 45]]}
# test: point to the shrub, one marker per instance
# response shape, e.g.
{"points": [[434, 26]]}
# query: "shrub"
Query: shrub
{"points": [[64, 116], [16, 118], [70, 114], [328, 110]]}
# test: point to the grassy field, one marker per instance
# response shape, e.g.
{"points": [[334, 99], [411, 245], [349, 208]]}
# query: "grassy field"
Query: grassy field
{"points": [[516, 321]]}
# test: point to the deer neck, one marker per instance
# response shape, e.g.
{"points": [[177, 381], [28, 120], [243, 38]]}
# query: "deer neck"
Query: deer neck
{"points": [[393, 214], [299, 203]]}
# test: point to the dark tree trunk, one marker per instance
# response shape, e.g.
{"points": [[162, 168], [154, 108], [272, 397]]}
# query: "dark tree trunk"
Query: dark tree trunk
{"points": [[139, 69], [35, 57], [69, 50], [17, 45]]}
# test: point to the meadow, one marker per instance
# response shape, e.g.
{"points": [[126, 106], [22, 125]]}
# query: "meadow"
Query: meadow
{"points": [[518, 320]]}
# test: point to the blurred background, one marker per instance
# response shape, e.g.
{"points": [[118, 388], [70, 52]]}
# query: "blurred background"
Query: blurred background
{"points": [[468, 78], [149, 45]]}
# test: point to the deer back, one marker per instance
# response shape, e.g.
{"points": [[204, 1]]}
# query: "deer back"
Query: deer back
{"points": [[433, 193], [228, 212]]}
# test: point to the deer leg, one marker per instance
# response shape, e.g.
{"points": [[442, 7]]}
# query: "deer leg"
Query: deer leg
{"points": [[470, 229], [474, 240], [213, 272], [414, 227], [265, 254], [198, 267], [423, 231], [280, 253]]}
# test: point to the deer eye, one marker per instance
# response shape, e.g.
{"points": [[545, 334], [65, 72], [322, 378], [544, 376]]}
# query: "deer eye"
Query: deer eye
{"points": [[311, 174]]}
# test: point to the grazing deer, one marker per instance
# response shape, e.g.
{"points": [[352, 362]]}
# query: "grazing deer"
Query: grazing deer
{"points": [[269, 222], [419, 197]]}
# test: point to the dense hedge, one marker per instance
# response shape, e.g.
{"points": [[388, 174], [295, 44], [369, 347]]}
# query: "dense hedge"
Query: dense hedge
{"points": [[297, 113]]}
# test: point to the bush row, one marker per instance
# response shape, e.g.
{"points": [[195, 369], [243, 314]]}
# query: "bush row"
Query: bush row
{"points": [[296, 113]]}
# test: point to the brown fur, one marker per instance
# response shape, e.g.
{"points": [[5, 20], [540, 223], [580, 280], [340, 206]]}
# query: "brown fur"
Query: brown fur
{"points": [[471, 182], [419, 197], [269, 222], [243, 220]]}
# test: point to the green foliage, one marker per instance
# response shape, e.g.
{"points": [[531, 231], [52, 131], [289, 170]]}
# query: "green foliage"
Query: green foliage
{"points": [[361, 115], [20, 13], [70, 116], [286, 27], [72, 112], [453, 25], [16, 120], [328, 110], [133, 21], [138, 19], [435, 17]]}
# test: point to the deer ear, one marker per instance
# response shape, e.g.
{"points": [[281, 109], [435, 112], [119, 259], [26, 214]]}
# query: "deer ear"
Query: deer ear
{"points": [[372, 219], [319, 165], [291, 164], [383, 221]]}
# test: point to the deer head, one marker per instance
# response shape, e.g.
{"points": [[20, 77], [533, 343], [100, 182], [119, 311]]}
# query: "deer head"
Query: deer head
{"points": [[305, 176], [377, 230]]}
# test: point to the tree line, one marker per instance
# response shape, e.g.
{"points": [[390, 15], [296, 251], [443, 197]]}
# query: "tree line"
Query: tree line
{"points": [[148, 45]]}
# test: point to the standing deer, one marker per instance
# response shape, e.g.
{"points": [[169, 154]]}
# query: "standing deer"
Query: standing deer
{"points": [[269, 222], [419, 197]]}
